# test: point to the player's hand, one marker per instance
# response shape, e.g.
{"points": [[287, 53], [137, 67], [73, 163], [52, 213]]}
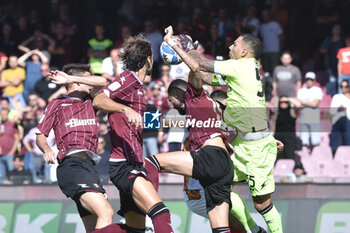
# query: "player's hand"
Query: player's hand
{"points": [[134, 117], [186, 42], [59, 77], [280, 146], [169, 32], [49, 156]]}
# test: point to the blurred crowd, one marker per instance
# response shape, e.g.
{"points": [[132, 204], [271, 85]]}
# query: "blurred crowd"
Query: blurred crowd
{"points": [[305, 67]]}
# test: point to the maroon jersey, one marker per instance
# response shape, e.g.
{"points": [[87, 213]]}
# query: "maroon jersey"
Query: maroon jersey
{"points": [[204, 119], [126, 140], [74, 123], [7, 137]]}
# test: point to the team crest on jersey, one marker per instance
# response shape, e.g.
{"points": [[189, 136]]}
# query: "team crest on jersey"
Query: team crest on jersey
{"points": [[78, 122]]}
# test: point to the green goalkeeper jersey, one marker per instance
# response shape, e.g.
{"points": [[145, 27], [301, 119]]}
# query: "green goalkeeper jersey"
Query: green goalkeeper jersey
{"points": [[246, 107]]}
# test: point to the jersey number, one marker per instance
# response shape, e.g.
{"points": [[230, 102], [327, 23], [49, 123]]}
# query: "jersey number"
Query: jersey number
{"points": [[260, 93], [251, 182]]}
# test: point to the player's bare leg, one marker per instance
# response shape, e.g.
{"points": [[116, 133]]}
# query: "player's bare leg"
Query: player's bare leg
{"points": [[269, 212], [97, 204], [148, 200], [181, 163], [219, 216]]}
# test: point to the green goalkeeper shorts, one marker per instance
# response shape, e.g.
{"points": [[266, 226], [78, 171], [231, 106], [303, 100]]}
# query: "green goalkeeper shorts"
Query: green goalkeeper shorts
{"points": [[254, 162]]}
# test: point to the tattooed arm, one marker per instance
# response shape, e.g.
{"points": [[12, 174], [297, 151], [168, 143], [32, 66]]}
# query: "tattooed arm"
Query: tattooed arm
{"points": [[204, 63]]}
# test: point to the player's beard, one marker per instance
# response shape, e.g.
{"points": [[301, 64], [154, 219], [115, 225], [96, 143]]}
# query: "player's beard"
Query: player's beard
{"points": [[180, 109]]}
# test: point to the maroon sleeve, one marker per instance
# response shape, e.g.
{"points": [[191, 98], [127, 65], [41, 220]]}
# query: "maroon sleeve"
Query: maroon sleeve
{"points": [[46, 122], [193, 92], [119, 88]]}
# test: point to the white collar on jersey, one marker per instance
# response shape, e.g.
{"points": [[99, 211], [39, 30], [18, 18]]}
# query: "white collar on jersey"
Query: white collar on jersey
{"points": [[137, 77]]}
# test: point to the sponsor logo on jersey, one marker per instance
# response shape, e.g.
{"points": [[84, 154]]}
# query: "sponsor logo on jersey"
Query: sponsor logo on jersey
{"points": [[78, 122], [64, 105]]}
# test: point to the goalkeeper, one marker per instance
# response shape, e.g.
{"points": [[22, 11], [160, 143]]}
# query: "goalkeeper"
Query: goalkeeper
{"points": [[255, 148]]}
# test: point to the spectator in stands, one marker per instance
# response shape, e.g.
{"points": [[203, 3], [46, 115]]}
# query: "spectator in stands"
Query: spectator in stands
{"points": [[3, 61], [297, 176], [9, 139], [103, 133], [125, 33], [286, 77], [251, 22], [164, 80], [329, 48], [271, 34], [39, 41], [34, 157], [112, 66], [284, 126], [99, 48], [103, 165], [150, 136], [18, 175], [344, 62], [23, 31], [44, 88], [12, 80], [61, 46], [340, 111], [7, 40], [266, 80], [310, 97], [175, 134], [215, 45], [225, 24], [160, 101], [151, 32], [32, 70]]}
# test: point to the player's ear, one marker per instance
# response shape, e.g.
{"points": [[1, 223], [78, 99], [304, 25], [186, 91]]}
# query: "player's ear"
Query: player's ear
{"points": [[244, 52]]}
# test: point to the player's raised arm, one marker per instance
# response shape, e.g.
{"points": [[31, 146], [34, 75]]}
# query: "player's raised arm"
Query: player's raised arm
{"points": [[103, 102], [60, 77], [175, 44]]}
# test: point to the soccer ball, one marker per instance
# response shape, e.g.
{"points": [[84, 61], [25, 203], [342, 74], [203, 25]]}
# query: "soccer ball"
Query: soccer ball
{"points": [[169, 55]]}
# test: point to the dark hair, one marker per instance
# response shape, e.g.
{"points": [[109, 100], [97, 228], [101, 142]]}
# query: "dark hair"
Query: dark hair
{"points": [[218, 95], [17, 156], [345, 80], [286, 52], [6, 99], [76, 68], [254, 43], [136, 49], [177, 85]]}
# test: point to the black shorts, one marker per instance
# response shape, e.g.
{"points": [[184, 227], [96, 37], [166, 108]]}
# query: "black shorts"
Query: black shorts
{"points": [[213, 167], [75, 176], [123, 175]]}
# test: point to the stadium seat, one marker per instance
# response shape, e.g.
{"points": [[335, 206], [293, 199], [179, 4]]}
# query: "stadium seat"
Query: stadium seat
{"points": [[310, 167], [322, 153], [283, 167], [304, 153], [342, 153], [325, 138]]}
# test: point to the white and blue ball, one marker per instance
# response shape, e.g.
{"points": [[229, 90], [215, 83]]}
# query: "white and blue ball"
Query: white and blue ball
{"points": [[169, 55]]}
